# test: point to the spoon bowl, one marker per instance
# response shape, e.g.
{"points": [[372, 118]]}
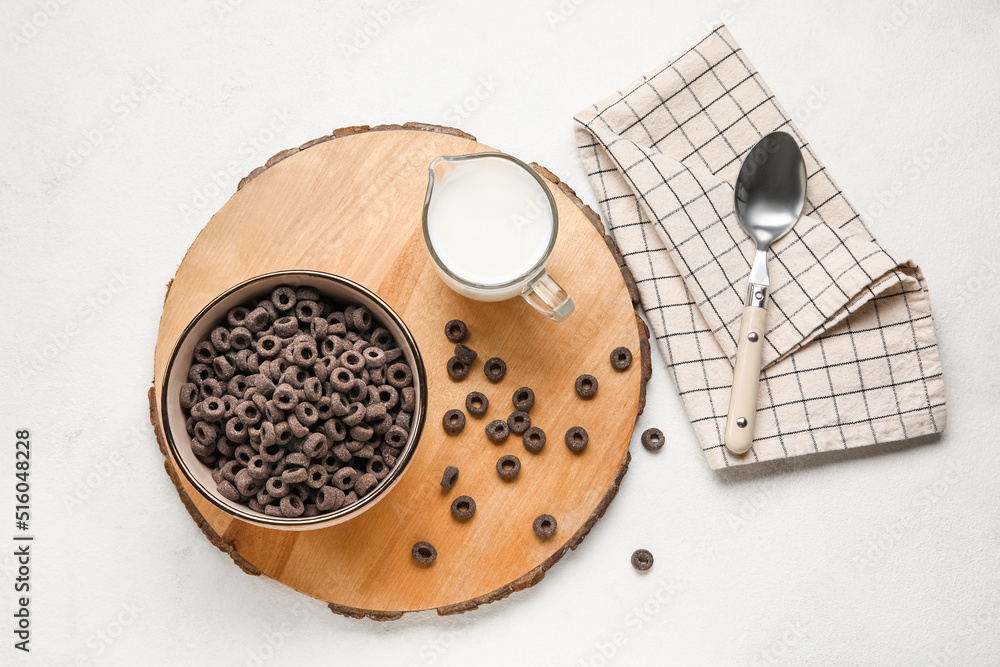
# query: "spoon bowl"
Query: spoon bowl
{"points": [[771, 188]]}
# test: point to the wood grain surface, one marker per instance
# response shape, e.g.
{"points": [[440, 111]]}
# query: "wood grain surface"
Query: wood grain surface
{"points": [[350, 204]]}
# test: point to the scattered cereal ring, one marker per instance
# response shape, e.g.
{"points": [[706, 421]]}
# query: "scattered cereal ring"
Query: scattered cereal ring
{"points": [[449, 477], [621, 358], [642, 560], [577, 439], [544, 525], [652, 439], [456, 331], [457, 369], [463, 508], [586, 386], [497, 431], [534, 439], [465, 354], [519, 422], [424, 553], [523, 399], [477, 404], [454, 422], [495, 369], [508, 466]]}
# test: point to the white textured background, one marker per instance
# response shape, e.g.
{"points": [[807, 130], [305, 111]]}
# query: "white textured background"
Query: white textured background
{"points": [[124, 126]]}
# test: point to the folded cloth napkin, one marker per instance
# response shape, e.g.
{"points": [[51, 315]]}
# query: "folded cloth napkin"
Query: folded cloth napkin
{"points": [[850, 357]]}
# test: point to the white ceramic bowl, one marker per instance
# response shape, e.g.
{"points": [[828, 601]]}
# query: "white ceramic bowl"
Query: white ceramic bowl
{"points": [[333, 287]]}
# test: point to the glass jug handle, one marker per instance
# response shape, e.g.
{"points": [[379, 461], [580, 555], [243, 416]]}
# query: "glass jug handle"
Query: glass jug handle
{"points": [[549, 298]]}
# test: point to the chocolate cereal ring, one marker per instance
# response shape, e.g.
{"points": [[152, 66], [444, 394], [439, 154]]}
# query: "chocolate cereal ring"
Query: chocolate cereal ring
{"points": [[399, 375], [519, 422], [449, 477], [457, 369], [227, 490], [283, 298], [652, 439], [544, 525], [329, 498], [424, 553], [237, 316], [642, 560], [456, 331], [495, 369], [586, 386], [477, 404], [523, 399], [577, 439], [497, 431], [463, 508], [465, 354], [292, 506], [621, 358], [365, 483], [344, 479], [534, 439], [454, 422], [508, 466], [407, 399]]}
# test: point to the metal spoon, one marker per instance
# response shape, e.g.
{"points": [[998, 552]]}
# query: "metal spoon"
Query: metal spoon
{"points": [[770, 194]]}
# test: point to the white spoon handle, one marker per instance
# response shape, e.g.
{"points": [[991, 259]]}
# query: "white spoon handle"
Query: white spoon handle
{"points": [[746, 378]]}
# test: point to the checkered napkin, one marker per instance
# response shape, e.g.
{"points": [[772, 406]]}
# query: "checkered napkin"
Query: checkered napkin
{"points": [[850, 357]]}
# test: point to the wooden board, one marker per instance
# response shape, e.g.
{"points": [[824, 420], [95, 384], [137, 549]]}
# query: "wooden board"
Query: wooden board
{"points": [[350, 204]]}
